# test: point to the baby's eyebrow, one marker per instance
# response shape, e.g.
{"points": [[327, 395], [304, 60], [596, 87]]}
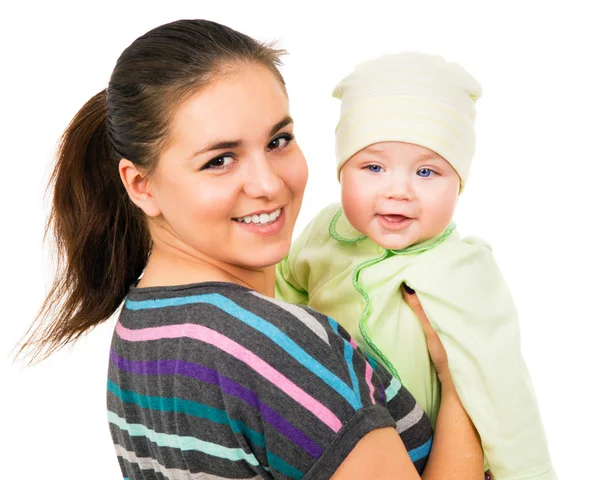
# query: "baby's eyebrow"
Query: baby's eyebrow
{"points": [[434, 159], [431, 156]]}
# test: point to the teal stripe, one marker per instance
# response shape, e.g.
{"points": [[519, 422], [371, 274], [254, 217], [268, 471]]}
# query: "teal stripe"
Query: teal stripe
{"points": [[262, 326], [348, 356], [195, 409], [418, 453], [392, 390], [180, 442], [372, 362], [282, 466]]}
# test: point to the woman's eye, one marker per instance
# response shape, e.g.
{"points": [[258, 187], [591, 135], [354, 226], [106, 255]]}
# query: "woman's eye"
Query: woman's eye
{"points": [[374, 168], [424, 172], [281, 141], [217, 163]]}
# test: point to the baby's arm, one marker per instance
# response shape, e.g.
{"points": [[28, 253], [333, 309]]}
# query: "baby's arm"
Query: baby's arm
{"points": [[287, 286], [293, 272], [469, 305]]}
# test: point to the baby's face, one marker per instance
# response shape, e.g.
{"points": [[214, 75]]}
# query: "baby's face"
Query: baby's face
{"points": [[399, 194]]}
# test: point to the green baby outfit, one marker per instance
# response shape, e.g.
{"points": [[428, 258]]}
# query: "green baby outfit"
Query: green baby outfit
{"points": [[336, 270]]}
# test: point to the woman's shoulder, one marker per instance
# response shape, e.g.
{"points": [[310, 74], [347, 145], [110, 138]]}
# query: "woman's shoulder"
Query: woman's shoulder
{"points": [[228, 314], [217, 304]]}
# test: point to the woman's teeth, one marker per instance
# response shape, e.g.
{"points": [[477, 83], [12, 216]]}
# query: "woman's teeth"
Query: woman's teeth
{"points": [[261, 219]]}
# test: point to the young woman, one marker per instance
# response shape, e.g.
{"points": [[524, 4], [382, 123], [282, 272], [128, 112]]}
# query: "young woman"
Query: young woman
{"points": [[186, 169]]}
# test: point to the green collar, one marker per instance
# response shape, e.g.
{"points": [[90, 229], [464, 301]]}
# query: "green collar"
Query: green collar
{"points": [[342, 230]]}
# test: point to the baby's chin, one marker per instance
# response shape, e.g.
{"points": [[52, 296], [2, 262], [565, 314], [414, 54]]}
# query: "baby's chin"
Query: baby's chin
{"points": [[394, 241], [396, 245]]}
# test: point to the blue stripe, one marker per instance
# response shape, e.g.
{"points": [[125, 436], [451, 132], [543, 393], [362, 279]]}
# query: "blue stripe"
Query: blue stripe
{"points": [[262, 326], [333, 324], [194, 409], [418, 453], [348, 354]]}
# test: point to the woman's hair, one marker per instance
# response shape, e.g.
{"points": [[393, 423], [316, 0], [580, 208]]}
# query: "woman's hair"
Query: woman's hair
{"points": [[102, 237]]}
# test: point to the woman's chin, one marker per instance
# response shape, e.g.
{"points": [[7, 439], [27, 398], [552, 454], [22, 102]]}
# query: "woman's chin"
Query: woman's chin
{"points": [[266, 257], [264, 262]]}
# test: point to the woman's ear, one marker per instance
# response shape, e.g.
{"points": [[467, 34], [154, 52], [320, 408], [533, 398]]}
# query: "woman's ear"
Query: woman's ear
{"points": [[138, 187]]}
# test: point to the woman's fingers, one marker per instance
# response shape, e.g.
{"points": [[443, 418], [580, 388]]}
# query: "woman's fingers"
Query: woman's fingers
{"points": [[434, 344], [411, 298]]}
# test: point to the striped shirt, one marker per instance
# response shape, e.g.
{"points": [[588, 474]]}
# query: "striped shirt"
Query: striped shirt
{"points": [[216, 381]]}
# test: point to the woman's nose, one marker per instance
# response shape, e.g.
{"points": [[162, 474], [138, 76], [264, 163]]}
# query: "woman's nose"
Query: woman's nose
{"points": [[262, 180]]}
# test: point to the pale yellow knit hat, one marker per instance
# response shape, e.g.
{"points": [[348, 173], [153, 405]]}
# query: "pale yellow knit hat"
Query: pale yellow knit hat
{"points": [[409, 97]]}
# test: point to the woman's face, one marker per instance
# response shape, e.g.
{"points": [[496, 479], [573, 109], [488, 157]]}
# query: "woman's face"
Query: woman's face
{"points": [[230, 183]]}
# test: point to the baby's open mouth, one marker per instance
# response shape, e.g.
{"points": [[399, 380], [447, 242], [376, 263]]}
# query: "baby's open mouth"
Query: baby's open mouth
{"points": [[395, 218]]}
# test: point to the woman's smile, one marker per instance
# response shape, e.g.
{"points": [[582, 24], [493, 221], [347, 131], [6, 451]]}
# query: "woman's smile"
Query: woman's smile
{"points": [[263, 223]]}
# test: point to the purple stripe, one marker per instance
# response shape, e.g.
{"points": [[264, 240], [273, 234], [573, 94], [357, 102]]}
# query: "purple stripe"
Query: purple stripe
{"points": [[207, 375]]}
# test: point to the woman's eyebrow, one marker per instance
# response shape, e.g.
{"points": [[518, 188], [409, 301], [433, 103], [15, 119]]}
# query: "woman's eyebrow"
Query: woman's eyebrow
{"points": [[225, 144], [279, 125], [218, 145]]}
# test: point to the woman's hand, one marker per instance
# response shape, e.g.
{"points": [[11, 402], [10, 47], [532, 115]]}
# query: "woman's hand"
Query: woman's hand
{"points": [[456, 452], [437, 352]]}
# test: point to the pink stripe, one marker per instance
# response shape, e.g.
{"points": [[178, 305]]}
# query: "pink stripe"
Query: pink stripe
{"points": [[236, 350], [353, 343], [369, 378]]}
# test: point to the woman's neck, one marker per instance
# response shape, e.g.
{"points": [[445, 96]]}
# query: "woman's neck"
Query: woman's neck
{"points": [[167, 268]]}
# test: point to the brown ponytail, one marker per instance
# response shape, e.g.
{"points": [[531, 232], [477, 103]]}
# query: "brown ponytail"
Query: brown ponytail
{"points": [[102, 238]]}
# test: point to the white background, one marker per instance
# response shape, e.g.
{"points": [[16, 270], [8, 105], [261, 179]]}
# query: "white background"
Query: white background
{"points": [[533, 192]]}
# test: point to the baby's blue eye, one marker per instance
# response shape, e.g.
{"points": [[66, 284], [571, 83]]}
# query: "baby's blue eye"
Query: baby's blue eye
{"points": [[374, 168], [424, 172]]}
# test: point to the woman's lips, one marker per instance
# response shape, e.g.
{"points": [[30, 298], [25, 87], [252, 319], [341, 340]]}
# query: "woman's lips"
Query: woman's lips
{"points": [[265, 229]]}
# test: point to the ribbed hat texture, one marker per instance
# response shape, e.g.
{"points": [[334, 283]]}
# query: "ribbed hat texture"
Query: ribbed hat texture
{"points": [[409, 97]]}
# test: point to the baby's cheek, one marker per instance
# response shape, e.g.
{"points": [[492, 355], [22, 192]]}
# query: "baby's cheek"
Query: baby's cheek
{"points": [[350, 197], [442, 217]]}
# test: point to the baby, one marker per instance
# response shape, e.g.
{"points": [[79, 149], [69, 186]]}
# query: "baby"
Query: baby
{"points": [[404, 145]]}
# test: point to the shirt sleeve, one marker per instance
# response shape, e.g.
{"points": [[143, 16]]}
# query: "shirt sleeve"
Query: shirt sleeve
{"points": [[287, 286], [469, 305], [293, 393], [293, 277], [411, 422]]}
